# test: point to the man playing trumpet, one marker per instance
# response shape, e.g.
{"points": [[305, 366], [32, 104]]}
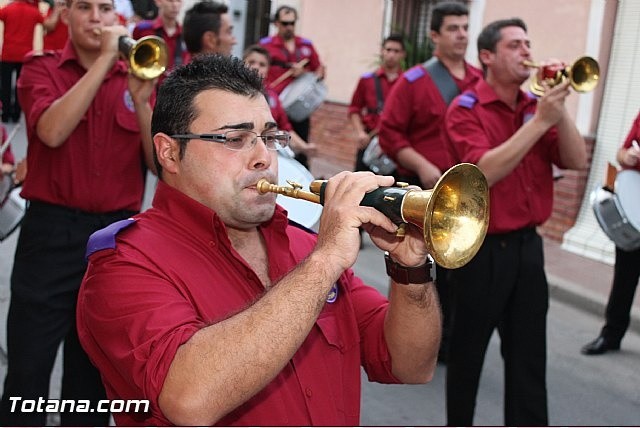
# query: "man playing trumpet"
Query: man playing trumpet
{"points": [[88, 127]]}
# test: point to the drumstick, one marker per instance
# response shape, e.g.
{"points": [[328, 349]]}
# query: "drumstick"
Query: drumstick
{"points": [[287, 73], [13, 133]]}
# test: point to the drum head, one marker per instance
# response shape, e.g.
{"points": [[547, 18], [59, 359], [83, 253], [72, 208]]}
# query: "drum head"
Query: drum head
{"points": [[628, 189], [303, 212]]}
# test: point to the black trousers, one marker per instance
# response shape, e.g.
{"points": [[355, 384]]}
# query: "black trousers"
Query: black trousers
{"points": [[302, 129], [9, 93], [504, 287], [47, 272], [626, 273]]}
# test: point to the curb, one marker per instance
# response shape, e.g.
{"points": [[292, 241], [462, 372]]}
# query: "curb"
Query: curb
{"points": [[594, 303]]}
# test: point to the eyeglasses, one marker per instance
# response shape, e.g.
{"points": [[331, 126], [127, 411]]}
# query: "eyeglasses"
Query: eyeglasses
{"points": [[288, 23], [240, 140]]}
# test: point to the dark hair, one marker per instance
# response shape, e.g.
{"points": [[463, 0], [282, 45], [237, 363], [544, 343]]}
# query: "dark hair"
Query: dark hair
{"points": [[257, 49], [285, 9], [394, 37], [490, 34], [443, 9], [202, 17], [175, 111]]}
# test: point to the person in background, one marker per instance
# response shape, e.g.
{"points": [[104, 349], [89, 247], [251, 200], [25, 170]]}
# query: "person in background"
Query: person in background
{"points": [[56, 31], [144, 9], [413, 118], [20, 18], [257, 58], [88, 123], [287, 52], [207, 28], [220, 310], [166, 26], [626, 270], [514, 139], [373, 88]]}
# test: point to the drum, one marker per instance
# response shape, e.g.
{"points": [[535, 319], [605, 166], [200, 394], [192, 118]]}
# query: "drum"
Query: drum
{"points": [[303, 96], [376, 160], [303, 212], [619, 213], [12, 207]]}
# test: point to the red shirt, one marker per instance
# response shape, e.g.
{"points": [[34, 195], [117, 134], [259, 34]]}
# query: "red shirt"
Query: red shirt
{"points": [[634, 134], [174, 272], [277, 111], [281, 58], [56, 38], [20, 19], [156, 28], [413, 117], [476, 122], [364, 101], [100, 167]]}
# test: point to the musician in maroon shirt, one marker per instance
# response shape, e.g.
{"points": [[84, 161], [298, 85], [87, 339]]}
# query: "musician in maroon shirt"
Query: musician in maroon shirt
{"points": [[88, 126]]}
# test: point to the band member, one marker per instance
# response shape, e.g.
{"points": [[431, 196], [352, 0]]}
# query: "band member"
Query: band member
{"points": [[220, 311], [293, 55], [88, 127], [626, 271], [373, 87], [514, 139], [167, 27], [208, 29], [257, 58]]}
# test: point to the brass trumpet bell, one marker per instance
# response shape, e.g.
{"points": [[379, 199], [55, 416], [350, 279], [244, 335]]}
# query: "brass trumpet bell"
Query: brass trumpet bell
{"points": [[148, 57], [453, 216], [583, 76]]}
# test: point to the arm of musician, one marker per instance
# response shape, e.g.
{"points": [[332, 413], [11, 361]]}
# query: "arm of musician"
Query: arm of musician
{"points": [[298, 145], [208, 376], [63, 116], [428, 173], [52, 20], [412, 331], [501, 160], [362, 137], [141, 91]]}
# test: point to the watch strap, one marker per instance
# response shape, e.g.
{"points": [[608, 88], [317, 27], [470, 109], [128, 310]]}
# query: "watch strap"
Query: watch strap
{"points": [[408, 275]]}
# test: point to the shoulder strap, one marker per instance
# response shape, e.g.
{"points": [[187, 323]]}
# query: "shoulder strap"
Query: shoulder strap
{"points": [[443, 80], [380, 100]]}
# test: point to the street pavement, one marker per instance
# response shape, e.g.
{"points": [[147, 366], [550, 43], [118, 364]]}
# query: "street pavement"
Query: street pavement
{"points": [[585, 391]]}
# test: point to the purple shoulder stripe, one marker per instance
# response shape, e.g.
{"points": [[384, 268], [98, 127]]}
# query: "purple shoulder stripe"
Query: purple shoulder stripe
{"points": [[467, 100], [414, 73], [106, 238]]}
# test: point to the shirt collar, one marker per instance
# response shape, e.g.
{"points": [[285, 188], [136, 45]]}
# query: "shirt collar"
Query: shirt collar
{"points": [[487, 95]]}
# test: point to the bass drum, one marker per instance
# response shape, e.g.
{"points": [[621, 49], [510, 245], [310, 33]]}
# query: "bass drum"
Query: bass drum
{"points": [[303, 212], [303, 96], [619, 213]]}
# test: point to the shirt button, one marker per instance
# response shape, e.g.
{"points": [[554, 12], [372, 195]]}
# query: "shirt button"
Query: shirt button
{"points": [[308, 392], [212, 244]]}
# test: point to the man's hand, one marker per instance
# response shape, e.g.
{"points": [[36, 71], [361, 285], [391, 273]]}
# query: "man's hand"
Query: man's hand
{"points": [[429, 175], [551, 105]]}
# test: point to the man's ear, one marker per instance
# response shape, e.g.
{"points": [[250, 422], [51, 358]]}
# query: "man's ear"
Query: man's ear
{"points": [[209, 41], [485, 56], [168, 153]]}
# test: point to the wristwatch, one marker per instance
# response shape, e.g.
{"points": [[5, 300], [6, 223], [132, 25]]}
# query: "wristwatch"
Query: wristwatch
{"points": [[408, 275]]}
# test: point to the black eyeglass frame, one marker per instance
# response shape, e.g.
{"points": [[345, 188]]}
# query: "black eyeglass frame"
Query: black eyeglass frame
{"points": [[222, 138], [288, 23]]}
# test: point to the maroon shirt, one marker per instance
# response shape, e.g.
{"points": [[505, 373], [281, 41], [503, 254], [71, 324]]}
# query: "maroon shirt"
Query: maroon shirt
{"points": [[100, 167], [413, 117], [476, 122], [173, 272], [277, 111], [364, 101], [20, 18], [156, 28], [280, 57]]}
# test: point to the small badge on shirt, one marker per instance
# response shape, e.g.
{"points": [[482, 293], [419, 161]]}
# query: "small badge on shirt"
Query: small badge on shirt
{"points": [[306, 51], [333, 293], [128, 101]]}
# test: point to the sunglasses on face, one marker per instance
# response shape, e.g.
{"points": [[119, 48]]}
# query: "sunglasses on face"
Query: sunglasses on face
{"points": [[288, 23]]}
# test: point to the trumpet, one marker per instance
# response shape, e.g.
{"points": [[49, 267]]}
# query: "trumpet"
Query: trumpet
{"points": [[583, 75], [453, 216], [148, 57]]}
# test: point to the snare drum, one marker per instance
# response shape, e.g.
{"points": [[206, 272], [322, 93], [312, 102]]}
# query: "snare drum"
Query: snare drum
{"points": [[619, 213], [303, 96], [376, 160], [303, 212], [12, 208]]}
